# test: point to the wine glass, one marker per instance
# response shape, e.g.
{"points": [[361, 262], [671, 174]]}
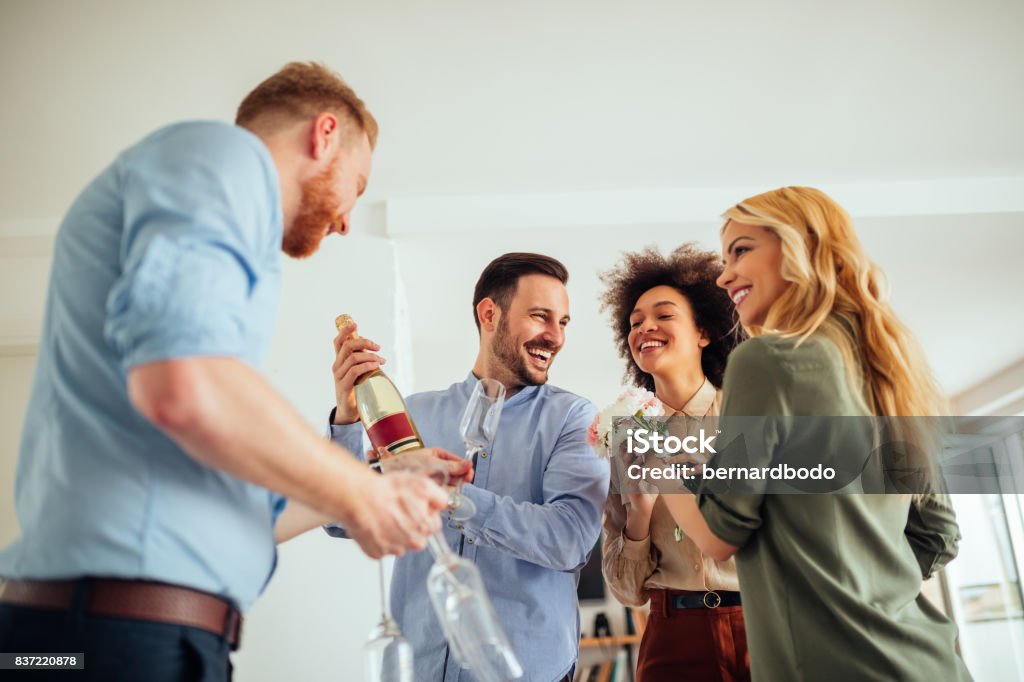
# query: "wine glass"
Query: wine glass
{"points": [[478, 425], [389, 655], [388, 652], [477, 640]]}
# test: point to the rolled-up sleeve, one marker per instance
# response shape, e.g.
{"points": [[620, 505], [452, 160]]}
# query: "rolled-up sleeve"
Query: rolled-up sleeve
{"points": [[193, 246], [732, 517], [932, 532]]}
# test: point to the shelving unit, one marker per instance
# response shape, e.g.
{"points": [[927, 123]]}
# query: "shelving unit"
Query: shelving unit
{"points": [[613, 644]]}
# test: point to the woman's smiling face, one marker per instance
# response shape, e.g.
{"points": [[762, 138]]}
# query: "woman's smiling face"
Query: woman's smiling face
{"points": [[753, 270], [663, 336]]}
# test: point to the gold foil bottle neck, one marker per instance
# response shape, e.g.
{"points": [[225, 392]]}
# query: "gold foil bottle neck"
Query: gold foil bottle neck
{"points": [[344, 320]]}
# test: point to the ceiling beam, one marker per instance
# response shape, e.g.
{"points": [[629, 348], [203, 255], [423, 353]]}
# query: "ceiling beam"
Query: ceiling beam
{"points": [[421, 216], [1001, 393]]}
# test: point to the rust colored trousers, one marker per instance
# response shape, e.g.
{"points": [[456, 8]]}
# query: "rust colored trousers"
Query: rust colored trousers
{"points": [[704, 645]]}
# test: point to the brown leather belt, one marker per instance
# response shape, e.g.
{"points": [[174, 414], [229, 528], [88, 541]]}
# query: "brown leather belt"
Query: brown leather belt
{"points": [[133, 599]]}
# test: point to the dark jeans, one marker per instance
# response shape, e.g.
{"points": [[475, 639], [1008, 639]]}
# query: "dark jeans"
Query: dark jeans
{"points": [[116, 649]]}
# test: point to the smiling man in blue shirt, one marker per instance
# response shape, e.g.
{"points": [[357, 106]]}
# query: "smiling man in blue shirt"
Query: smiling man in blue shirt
{"points": [[539, 488], [155, 460]]}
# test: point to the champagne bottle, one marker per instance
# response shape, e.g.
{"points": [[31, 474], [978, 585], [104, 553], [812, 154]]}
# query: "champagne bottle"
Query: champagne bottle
{"points": [[381, 409]]}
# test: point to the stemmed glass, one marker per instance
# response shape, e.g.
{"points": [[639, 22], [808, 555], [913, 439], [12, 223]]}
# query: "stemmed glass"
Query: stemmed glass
{"points": [[478, 426], [389, 655], [467, 617], [388, 652]]}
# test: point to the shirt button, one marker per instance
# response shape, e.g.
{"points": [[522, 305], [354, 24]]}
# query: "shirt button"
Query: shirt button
{"points": [[483, 453], [696, 567], [470, 541], [459, 526]]}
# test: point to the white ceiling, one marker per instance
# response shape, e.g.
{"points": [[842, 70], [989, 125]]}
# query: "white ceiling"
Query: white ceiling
{"points": [[505, 99], [486, 97]]}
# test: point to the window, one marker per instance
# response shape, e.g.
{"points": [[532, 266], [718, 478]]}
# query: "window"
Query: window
{"points": [[984, 582]]}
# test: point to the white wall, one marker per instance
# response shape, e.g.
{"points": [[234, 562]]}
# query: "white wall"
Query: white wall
{"points": [[15, 381], [24, 267], [942, 271]]}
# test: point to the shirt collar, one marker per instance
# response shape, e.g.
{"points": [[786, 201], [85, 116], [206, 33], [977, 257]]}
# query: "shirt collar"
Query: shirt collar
{"points": [[701, 401], [523, 394]]}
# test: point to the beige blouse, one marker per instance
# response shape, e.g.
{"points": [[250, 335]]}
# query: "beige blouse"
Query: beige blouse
{"points": [[633, 567]]}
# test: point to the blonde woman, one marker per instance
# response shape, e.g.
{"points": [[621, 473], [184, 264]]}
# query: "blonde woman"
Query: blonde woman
{"points": [[831, 583], [674, 328]]}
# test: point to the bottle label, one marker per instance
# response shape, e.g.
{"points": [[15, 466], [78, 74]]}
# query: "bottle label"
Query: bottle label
{"points": [[394, 432]]}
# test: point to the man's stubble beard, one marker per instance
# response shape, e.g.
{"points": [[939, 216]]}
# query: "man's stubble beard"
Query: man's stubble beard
{"points": [[506, 350], [317, 209]]}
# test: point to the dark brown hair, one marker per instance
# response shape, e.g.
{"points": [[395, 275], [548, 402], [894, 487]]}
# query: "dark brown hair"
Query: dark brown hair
{"points": [[303, 90], [500, 278], [690, 271]]}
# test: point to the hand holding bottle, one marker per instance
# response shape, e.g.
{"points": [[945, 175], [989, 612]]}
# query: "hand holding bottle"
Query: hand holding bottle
{"points": [[381, 409], [354, 357]]}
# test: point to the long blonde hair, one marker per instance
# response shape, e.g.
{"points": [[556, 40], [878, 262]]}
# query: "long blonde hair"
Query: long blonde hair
{"points": [[838, 291]]}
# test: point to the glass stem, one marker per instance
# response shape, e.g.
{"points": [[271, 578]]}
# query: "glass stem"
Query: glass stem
{"points": [[384, 613], [470, 456], [438, 546]]}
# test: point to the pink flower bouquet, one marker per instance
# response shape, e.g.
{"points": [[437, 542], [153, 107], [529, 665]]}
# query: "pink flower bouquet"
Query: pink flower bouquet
{"points": [[636, 404]]}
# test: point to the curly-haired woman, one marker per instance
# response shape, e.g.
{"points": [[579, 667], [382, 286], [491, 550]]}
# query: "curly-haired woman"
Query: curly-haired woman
{"points": [[674, 328], [831, 582]]}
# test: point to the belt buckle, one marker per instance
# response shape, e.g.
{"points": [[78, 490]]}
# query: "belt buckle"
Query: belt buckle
{"points": [[712, 600], [233, 628]]}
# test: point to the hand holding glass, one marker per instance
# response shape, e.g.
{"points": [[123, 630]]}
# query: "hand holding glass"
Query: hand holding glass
{"points": [[389, 655], [478, 426]]}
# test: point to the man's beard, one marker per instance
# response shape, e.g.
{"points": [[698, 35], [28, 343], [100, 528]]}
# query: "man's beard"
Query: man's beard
{"points": [[506, 350], [317, 209]]}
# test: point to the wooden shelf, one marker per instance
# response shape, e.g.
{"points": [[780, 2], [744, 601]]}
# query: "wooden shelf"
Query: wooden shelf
{"points": [[620, 640], [614, 643]]}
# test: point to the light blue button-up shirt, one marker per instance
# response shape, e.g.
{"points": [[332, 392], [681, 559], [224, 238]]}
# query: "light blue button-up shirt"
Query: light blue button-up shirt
{"points": [[539, 493], [172, 251]]}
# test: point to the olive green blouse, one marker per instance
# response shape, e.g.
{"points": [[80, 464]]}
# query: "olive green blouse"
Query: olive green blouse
{"points": [[831, 583]]}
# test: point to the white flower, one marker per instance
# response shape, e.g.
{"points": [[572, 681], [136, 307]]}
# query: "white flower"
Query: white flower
{"points": [[637, 403]]}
